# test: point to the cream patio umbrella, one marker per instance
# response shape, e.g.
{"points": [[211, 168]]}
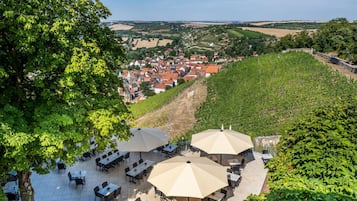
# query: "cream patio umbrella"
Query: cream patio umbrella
{"points": [[220, 141], [194, 177], [144, 140]]}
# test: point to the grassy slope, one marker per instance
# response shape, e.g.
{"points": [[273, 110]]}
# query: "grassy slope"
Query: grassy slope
{"points": [[157, 101], [264, 95]]}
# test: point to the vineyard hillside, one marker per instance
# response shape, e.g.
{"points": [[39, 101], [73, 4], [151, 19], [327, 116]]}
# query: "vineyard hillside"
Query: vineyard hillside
{"points": [[259, 96]]}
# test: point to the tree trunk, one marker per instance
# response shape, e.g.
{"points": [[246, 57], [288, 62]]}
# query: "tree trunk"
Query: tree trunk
{"points": [[26, 190]]}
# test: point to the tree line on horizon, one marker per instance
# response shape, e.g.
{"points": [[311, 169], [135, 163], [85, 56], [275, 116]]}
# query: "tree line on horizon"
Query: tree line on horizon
{"points": [[338, 36]]}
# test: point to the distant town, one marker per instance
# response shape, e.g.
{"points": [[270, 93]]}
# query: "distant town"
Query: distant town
{"points": [[160, 74]]}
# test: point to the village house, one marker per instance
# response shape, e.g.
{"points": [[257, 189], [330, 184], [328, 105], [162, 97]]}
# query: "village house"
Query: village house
{"points": [[158, 88], [212, 69]]}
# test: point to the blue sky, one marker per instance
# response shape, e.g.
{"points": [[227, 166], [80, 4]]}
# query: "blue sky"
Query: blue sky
{"points": [[231, 10]]}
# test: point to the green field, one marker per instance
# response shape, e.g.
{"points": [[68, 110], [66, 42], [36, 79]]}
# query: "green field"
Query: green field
{"points": [[234, 33]]}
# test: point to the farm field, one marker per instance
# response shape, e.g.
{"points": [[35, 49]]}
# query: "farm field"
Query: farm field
{"points": [[262, 23], [120, 27], [143, 43], [273, 32]]}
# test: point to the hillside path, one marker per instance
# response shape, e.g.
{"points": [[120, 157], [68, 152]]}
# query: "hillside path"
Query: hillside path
{"points": [[339, 68], [178, 116]]}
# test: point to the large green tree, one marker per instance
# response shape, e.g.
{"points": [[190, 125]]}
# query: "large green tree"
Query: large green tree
{"points": [[57, 84]]}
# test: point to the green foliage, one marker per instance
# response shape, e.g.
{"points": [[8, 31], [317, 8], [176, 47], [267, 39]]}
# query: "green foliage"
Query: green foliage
{"points": [[318, 156], [246, 42], [300, 40], [180, 81], [255, 198], [145, 87], [297, 195], [157, 101], [58, 85], [2, 196], [338, 36], [264, 95]]}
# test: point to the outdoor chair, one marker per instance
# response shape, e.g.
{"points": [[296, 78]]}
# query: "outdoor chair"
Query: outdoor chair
{"points": [[159, 149], [110, 153], [12, 196], [98, 163], [61, 166], [86, 156], [115, 150], [131, 178], [147, 170], [228, 192], [127, 156], [135, 164], [108, 166], [127, 169], [80, 181], [94, 147], [224, 191], [70, 177], [242, 164], [121, 158], [96, 189], [141, 160], [116, 162], [265, 151], [104, 184], [139, 176], [117, 192], [109, 197], [104, 156], [236, 169]]}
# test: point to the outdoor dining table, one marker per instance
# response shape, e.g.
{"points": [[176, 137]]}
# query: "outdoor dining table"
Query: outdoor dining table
{"points": [[218, 196], [108, 189], [79, 174], [111, 158], [140, 168], [266, 157], [234, 178], [170, 148]]}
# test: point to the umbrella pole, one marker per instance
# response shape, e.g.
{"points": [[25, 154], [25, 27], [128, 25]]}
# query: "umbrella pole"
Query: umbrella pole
{"points": [[140, 155]]}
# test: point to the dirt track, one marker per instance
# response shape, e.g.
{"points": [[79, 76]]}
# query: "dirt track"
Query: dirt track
{"points": [[178, 116], [339, 68]]}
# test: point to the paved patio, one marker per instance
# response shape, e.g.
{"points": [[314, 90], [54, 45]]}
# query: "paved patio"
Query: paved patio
{"points": [[56, 186]]}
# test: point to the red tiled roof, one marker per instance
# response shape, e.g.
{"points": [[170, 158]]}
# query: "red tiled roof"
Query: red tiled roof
{"points": [[212, 68], [160, 86]]}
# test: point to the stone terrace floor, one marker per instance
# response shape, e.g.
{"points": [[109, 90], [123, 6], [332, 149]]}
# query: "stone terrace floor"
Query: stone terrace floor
{"points": [[55, 186]]}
